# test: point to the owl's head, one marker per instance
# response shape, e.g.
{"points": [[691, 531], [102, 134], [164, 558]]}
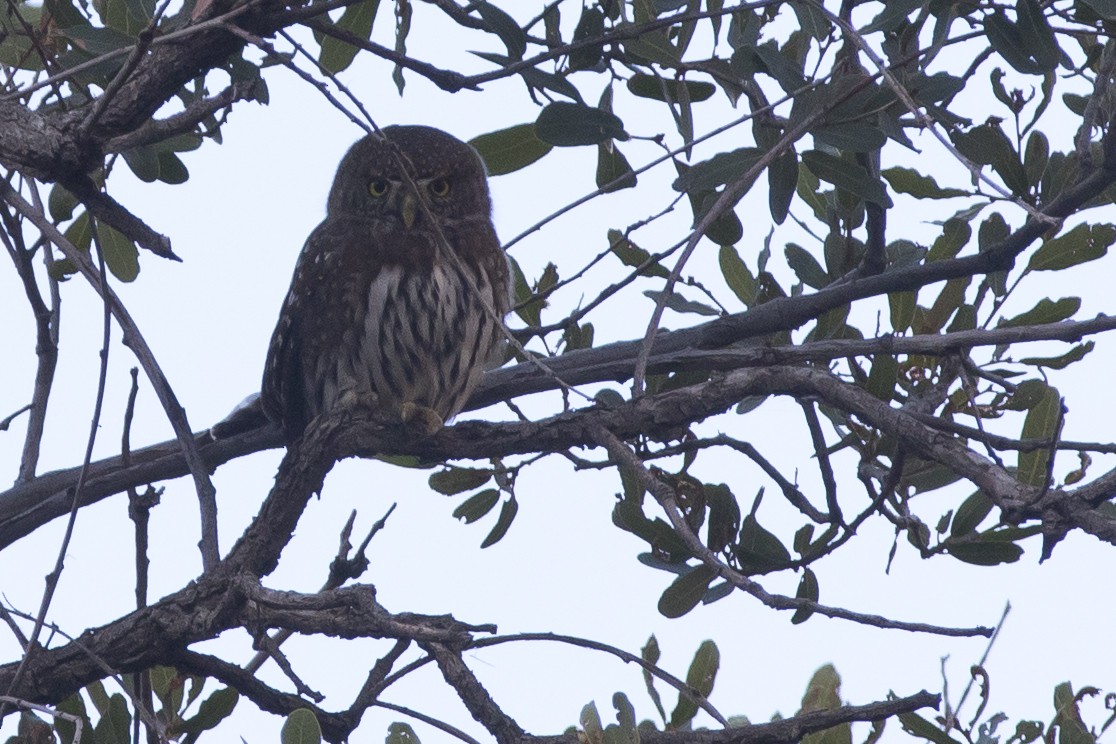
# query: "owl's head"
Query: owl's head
{"points": [[448, 174]]}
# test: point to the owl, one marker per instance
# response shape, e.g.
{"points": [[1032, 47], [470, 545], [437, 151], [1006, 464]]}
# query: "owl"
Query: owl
{"points": [[398, 296]]}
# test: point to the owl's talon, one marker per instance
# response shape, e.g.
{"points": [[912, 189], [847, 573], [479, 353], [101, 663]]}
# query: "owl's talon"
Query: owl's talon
{"points": [[421, 417]]}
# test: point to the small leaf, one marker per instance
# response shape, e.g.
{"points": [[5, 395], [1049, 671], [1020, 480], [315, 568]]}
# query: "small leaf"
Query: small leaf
{"points": [[337, 55], [477, 505], [570, 124], [846, 175], [121, 254], [782, 180], [807, 590], [401, 733], [663, 89], [727, 167], [920, 728], [1005, 38], [650, 653], [970, 514], [883, 376], [508, 150], [589, 26], [508, 510], [613, 170], [910, 181], [1046, 311], [680, 304], [739, 279], [301, 727], [988, 145], [455, 480], [806, 267], [504, 26], [851, 136], [985, 553], [1076, 354], [700, 676], [758, 550], [1081, 244], [61, 203], [686, 591], [1041, 423], [632, 255]]}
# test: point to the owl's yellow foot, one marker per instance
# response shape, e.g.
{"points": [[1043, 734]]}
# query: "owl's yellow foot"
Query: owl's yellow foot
{"points": [[421, 418]]}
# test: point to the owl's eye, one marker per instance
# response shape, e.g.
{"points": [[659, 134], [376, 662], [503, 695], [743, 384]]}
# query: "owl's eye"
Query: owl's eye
{"points": [[440, 187], [377, 187]]}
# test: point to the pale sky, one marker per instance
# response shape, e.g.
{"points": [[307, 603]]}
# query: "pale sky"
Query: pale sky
{"points": [[239, 223]]}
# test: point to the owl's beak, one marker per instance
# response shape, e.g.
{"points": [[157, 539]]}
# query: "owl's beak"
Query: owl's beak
{"points": [[409, 210]]}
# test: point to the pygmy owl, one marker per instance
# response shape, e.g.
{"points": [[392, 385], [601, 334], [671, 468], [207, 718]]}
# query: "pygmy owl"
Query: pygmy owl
{"points": [[398, 295]]}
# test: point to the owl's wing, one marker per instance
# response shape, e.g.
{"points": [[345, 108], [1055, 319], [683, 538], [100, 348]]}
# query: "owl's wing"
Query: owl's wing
{"points": [[283, 395]]}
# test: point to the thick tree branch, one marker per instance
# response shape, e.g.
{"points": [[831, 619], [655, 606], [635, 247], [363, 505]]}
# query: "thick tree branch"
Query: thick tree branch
{"points": [[28, 506]]}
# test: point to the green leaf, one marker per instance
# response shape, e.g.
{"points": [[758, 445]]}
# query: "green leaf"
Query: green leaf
{"points": [[589, 26], [650, 654], [115, 724], [807, 590], [1071, 729], [613, 170], [454, 480], [758, 550], [653, 47], [686, 591], [988, 145], [1041, 423], [855, 136], [301, 727], [1076, 354], [726, 229], [570, 124], [590, 721], [680, 304], [1035, 157], [1046, 311], [737, 275], [61, 203], [75, 706], [806, 267], [1006, 38], [700, 676], [902, 306], [121, 254], [504, 26], [1081, 244], [782, 179], [1037, 35], [401, 733], [508, 150], [336, 55], [846, 175], [984, 553], [508, 510], [892, 16], [477, 505], [970, 514], [726, 167], [910, 181], [955, 235], [632, 255], [883, 376], [920, 728], [724, 516], [214, 709], [664, 89]]}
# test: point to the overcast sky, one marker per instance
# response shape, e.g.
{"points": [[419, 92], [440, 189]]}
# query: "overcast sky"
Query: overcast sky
{"points": [[239, 223]]}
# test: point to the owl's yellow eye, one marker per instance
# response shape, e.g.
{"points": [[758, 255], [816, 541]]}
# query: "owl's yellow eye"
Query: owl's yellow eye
{"points": [[377, 187], [440, 187]]}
